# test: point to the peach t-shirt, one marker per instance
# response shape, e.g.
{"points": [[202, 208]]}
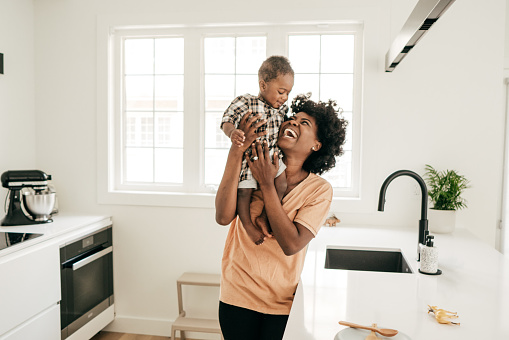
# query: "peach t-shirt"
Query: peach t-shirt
{"points": [[262, 278]]}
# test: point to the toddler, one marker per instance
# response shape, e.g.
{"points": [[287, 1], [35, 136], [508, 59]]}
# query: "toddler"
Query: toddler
{"points": [[275, 80]]}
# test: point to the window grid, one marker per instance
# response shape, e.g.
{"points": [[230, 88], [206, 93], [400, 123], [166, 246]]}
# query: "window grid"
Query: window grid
{"points": [[341, 175], [196, 172], [217, 145], [149, 132]]}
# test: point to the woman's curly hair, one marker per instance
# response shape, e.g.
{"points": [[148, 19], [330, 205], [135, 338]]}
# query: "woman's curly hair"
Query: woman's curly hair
{"points": [[331, 132]]}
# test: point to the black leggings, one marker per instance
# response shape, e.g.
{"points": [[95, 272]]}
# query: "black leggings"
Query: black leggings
{"points": [[239, 323]]}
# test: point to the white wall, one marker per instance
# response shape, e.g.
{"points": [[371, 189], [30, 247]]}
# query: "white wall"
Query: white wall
{"points": [[17, 115], [442, 106], [504, 233]]}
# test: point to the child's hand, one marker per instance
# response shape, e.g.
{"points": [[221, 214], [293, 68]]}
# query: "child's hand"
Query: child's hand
{"points": [[237, 137]]}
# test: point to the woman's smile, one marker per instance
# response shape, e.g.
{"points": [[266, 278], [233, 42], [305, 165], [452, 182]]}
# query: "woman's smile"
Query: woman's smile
{"points": [[289, 133]]}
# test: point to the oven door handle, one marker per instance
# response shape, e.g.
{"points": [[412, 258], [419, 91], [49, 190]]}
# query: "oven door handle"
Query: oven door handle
{"points": [[87, 260]]}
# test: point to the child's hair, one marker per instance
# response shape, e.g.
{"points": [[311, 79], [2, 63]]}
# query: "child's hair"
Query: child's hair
{"points": [[331, 132], [273, 67]]}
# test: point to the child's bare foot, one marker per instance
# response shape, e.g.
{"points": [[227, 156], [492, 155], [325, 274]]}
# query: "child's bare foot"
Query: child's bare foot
{"points": [[255, 234], [263, 223]]}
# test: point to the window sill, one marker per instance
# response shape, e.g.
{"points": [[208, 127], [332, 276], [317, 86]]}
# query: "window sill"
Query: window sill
{"points": [[197, 200], [158, 199]]}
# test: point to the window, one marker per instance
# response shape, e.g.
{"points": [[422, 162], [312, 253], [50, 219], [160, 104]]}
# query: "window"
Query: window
{"points": [[152, 111], [231, 69], [169, 88], [325, 67]]}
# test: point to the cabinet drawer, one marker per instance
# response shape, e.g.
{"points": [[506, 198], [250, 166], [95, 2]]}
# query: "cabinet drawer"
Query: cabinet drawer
{"points": [[44, 326], [30, 284]]}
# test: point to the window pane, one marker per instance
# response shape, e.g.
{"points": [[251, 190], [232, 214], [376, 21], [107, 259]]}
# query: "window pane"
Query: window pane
{"points": [[337, 53], [341, 175], [139, 129], [215, 161], [250, 54], [217, 104], [169, 129], [169, 165], [231, 69], [169, 93], [348, 143], [169, 56], [247, 84], [219, 55], [139, 164], [139, 92], [338, 87], [305, 83], [214, 136], [220, 86], [139, 56], [144, 93], [304, 52], [325, 67]]}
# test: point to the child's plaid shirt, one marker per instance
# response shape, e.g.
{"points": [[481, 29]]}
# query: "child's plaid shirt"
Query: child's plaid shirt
{"points": [[275, 117]]}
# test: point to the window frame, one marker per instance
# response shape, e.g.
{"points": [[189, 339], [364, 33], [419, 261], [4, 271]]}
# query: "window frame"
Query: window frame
{"points": [[194, 194]]}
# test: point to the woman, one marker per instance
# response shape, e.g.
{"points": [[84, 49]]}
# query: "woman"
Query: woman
{"points": [[258, 281]]}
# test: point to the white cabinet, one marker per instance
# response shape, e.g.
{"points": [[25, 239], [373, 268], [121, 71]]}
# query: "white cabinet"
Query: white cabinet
{"points": [[30, 291], [44, 326], [30, 287]]}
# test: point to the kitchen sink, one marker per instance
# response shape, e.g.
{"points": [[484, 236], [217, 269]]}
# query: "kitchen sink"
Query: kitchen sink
{"points": [[366, 259]]}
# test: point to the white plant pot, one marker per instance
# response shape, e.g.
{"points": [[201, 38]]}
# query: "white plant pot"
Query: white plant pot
{"points": [[441, 221]]}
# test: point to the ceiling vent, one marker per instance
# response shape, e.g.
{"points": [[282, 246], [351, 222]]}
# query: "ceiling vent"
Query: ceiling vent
{"points": [[424, 15]]}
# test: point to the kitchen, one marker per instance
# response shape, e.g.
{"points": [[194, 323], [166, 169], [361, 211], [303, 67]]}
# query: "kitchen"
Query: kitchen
{"points": [[444, 105]]}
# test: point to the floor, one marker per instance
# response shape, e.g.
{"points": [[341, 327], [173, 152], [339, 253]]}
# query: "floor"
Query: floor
{"points": [[124, 336]]}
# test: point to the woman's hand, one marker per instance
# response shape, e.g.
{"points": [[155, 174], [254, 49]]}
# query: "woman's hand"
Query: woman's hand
{"points": [[226, 196], [248, 125], [264, 169], [291, 236]]}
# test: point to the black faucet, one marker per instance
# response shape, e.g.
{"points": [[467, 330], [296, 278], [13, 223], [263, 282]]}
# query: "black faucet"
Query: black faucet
{"points": [[423, 223]]}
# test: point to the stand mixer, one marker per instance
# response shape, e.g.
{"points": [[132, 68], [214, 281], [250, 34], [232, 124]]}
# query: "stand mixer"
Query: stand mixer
{"points": [[29, 199]]}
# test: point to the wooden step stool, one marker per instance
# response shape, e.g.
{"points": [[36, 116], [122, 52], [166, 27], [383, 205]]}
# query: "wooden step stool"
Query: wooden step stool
{"points": [[184, 323]]}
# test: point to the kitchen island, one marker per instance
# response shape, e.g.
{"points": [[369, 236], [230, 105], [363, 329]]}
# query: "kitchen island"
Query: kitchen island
{"points": [[474, 283]]}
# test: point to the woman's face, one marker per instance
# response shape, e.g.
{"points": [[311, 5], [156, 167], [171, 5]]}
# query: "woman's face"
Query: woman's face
{"points": [[299, 134]]}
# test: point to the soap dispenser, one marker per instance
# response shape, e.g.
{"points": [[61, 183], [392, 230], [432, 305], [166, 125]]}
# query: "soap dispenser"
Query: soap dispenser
{"points": [[429, 258]]}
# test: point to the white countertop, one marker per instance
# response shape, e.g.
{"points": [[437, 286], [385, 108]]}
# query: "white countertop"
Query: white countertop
{"points": [[65, 226], [474, 283]]}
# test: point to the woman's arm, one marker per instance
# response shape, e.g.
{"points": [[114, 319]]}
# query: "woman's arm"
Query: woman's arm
{"points": [[291, 236], [226, 196]]}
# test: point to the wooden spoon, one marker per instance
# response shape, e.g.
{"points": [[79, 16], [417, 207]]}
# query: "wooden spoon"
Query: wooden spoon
{"points": [[383, 331]]}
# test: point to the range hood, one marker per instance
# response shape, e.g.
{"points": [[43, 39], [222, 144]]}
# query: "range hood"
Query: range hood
{"points": [[424, 15]]}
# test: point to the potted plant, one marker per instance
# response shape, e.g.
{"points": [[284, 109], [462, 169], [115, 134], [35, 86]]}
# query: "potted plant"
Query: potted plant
{"points": [[444, 190]]}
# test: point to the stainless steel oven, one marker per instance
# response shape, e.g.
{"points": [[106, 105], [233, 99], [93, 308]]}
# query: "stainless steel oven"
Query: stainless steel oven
{"points": [[87, 279]]}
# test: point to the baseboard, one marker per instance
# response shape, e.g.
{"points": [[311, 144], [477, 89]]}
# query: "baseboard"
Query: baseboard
{"points": [[158, 327]]}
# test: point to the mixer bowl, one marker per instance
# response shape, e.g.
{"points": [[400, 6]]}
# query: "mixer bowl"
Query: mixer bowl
{"points": [[39, 205]]}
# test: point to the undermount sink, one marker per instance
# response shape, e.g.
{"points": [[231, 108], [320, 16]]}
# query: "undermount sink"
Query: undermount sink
{"points": [[366, 259]]}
